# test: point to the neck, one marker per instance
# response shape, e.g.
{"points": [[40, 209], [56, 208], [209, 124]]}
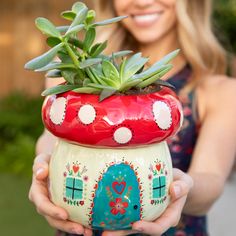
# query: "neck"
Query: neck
{"points": [[158, 49]]}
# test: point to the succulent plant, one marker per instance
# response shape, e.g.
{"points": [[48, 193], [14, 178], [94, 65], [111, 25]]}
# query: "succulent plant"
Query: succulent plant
{"points": [[84, 66]]}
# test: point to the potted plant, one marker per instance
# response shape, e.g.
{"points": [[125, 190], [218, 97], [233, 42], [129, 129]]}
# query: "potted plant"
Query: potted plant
{"points": [[111, 165]]}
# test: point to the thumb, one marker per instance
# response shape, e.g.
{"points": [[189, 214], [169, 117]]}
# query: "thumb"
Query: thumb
{"points": [[40, 167]]}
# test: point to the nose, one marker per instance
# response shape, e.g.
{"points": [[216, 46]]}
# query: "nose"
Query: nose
{"points": [[144, 3]]}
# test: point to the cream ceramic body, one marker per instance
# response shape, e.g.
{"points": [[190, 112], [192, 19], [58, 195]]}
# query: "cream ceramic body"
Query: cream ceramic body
{"points": [[112, 187]]}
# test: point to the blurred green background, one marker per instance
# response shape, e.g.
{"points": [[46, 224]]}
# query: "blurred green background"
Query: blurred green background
{"points": [[20, 126]]}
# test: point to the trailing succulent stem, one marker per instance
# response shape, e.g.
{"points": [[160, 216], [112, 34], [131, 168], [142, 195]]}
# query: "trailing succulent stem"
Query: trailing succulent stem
{"points": [[82, 63]]}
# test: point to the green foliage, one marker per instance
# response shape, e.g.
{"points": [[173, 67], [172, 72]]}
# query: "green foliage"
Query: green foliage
{"points": [[20, 126], [82, 62], [225, 21]]}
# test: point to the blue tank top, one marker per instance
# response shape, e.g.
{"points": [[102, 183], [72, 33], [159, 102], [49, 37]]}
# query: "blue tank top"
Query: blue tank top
{"points": [[181, 148]]}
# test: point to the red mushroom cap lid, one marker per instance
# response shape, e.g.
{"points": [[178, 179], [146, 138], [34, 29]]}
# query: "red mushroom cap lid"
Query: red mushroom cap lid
{"points": [[118, 121]]}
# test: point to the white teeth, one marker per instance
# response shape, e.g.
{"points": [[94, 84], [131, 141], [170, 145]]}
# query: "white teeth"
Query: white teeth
{"points": [[148, 18]]}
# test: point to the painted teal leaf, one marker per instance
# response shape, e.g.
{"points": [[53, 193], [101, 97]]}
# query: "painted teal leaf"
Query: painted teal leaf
{"points": [[89, 62], [109, 21], [74, 29], [58, 89], [47, 27], [97, 49], [68, 15], [44, 59], [56, 65], [89, 39]]}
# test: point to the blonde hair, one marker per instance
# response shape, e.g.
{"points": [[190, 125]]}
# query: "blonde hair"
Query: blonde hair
{"points": [[197, 40]]}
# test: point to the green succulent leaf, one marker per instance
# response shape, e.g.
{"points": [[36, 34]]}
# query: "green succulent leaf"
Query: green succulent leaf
{"points": [[47, 27], [90, 16], [76, 42], [81, 12], [44, 59], [164, 83], [89, 62], [56, 65], [78, 6], [87, 90], [74, 29], [109, 21], [58, 89], [106, 93], [129, 84], [109, 70], [133, 64], [52, 41], [68, 15], [121, 53], [69, 75], [100, 86], [89, 39], [155, 77], [63, 29], [97, 49], [53, 74]]}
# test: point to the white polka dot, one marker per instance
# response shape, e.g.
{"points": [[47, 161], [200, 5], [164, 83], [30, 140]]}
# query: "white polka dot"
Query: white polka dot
{"points": [[122, 135], [162, 114], [87, 114], [57, 110]]}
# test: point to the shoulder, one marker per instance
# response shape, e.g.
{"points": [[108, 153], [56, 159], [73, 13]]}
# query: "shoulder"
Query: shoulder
{"points": [[216, 92]]}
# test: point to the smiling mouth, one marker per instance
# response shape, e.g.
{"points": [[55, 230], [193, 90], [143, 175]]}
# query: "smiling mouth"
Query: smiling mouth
{"points": [[146, 19]]}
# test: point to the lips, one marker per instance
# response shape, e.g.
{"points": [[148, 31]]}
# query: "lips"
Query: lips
{"points": [[146, 19]]}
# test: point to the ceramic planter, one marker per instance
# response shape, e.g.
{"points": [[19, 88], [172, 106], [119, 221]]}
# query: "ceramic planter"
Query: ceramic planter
{"points": [[111, 165]]}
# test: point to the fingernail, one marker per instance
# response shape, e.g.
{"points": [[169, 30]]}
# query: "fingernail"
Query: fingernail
{"points": [[138, 229], [39, 171], [177, 190]]}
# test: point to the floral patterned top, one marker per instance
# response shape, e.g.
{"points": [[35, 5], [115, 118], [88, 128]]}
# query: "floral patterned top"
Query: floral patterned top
{"points": [[181, 148]]}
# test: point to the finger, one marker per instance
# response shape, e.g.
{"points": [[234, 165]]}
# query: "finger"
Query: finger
{"points": [[181, 185], [180, 175], [88, 232], [40, 167], [119, 232], [39, 196], [168, 219], [65, 226]]}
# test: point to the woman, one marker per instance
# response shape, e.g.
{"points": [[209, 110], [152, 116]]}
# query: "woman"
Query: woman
{"points": [[205, 146]]}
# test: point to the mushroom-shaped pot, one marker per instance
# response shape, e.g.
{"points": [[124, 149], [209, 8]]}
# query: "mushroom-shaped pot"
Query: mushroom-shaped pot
{"points": [[111, 165]]}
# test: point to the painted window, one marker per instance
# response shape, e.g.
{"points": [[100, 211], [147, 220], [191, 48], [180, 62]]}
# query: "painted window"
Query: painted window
{"points": [[159, 186], [74, 188]]}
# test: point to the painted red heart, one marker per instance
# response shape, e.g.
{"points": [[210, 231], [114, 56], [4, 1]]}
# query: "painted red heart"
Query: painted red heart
{"points": [[75, 169], [119, 187], [158, 166]]}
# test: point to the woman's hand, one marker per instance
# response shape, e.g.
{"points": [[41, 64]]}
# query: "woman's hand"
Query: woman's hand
{"points": [[179, 190], [56, 216]]}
